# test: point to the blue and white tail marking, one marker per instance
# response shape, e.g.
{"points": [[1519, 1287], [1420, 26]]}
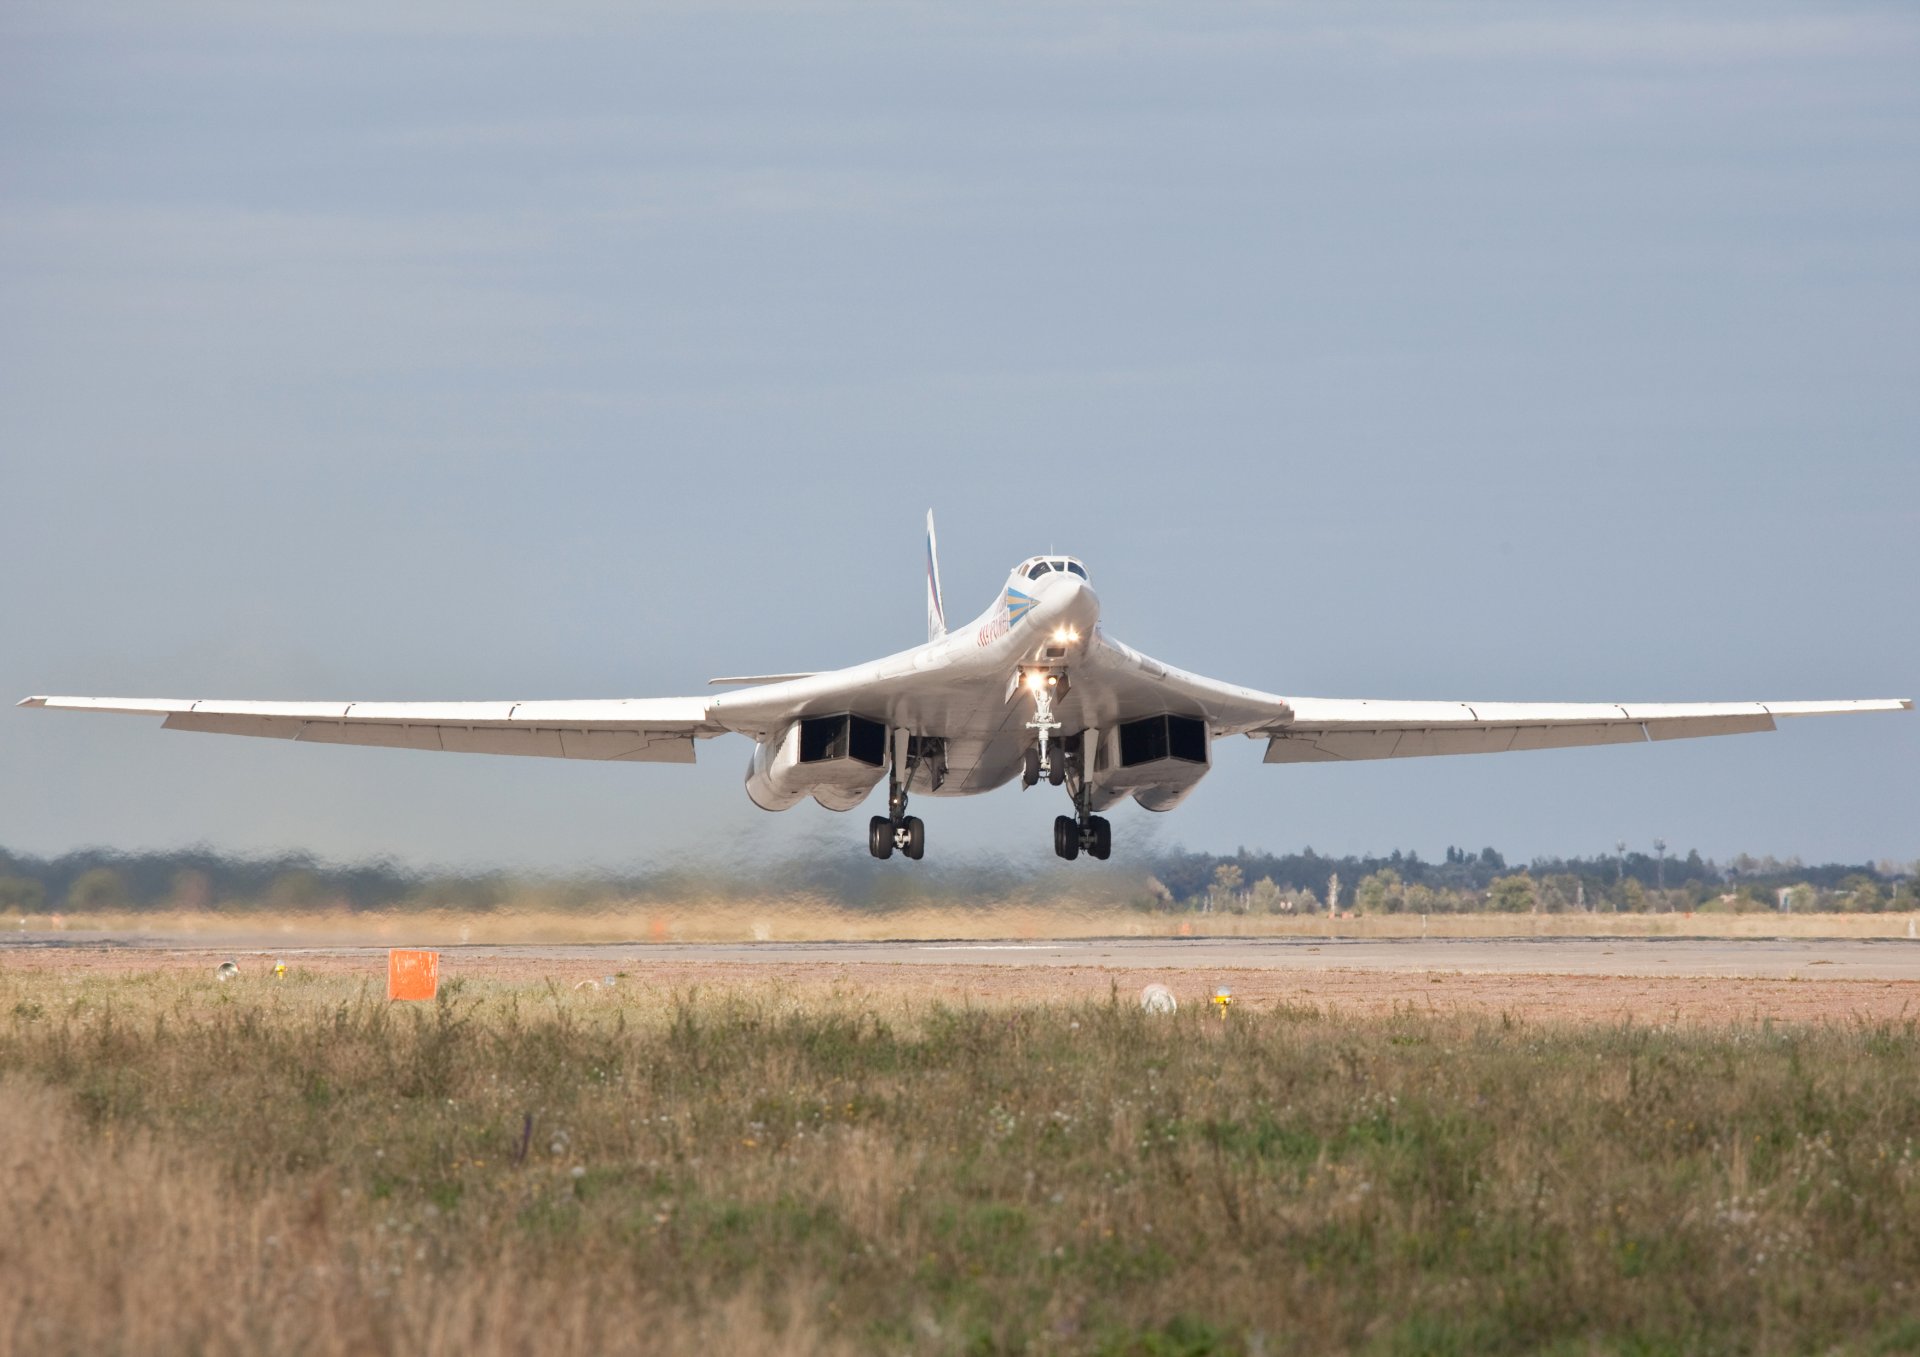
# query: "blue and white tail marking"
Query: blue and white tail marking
{"points": [[936, 611]]}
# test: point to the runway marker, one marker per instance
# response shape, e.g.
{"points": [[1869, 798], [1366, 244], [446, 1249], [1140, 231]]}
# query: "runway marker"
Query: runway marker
{"points": [[412, 974]]}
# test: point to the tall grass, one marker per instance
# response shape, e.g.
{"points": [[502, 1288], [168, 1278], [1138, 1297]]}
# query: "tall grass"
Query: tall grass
{"points": [[301, 1167]]}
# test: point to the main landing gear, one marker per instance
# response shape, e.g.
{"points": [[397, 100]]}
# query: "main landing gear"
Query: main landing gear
{"points": [[1082, 831], [1092, 832], [897, 829], [908, 834]]}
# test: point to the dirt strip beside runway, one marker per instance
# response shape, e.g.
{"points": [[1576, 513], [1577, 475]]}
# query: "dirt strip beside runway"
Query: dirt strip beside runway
{"points": [[1655, 999]]}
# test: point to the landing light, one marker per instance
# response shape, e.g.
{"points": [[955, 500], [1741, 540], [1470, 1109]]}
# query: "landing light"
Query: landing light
{"points": [[1065, 634]]}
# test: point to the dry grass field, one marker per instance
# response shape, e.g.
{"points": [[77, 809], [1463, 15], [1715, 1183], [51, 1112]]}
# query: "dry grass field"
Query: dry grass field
{"points": [[756, 1166]]}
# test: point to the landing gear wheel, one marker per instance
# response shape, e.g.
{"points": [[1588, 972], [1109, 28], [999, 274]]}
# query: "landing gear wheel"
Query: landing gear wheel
{"points": [[916, 845], [1031, 773], [1066, 837], [880, 836], [1057, 771], [1099, 838]]}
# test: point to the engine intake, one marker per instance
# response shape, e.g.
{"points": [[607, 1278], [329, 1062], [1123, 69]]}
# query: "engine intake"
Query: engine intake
{"points": [[834, 759], [1159, 760]]}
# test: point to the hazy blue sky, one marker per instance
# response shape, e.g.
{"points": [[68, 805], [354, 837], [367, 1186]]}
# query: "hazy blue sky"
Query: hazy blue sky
{"points": [[376, 351]]}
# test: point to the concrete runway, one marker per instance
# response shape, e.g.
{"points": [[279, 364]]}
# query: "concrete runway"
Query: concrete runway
{"points": [[1765, 958]]}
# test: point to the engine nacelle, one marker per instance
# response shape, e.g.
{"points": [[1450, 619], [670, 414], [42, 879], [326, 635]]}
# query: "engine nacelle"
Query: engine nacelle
{"points": [[834, 759], [1158, 760]]}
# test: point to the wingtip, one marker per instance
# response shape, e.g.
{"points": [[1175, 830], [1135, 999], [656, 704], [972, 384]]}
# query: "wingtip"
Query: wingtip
{"points": [[1906, 704], [41, 702]]}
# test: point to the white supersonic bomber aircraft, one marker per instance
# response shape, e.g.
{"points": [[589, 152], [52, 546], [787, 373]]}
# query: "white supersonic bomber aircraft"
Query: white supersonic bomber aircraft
{"points": [[1032, 689]]}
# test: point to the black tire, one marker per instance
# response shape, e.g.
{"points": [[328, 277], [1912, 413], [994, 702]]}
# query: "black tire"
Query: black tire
{"points": [[916, 838], [1030, 774], [1057, 769], [880, 836], [1066, 837], [1101, 833]]}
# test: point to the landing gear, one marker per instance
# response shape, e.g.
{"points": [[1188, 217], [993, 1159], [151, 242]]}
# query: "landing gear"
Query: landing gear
{"points": [[1070, 836], [1054, 770], [1064, 761], [897, 829], [1082, 829], [909, 835], [1045, 685]]}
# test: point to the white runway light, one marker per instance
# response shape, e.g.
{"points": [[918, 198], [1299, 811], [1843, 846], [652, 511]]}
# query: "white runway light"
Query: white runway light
{"points": [[1158, 998]]}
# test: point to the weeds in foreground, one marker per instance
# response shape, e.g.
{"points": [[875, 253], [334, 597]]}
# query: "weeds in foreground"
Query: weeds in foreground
{"points": [[302, 1167]]}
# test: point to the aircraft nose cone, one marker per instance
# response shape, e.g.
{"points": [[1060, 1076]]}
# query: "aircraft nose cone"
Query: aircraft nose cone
{"points": [[1068, 601]]}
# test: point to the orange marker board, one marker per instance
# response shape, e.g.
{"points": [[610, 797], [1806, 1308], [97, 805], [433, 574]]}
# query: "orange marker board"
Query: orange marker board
{"points": [[411, 974]]}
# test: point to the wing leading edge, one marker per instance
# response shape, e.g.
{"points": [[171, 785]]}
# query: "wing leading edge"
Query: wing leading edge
{"points": [[646, 730], [1338, 730]]}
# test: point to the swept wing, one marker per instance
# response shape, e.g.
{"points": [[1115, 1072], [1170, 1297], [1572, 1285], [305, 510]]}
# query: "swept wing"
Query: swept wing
{"points": [[643, 730], [1336, 730]]}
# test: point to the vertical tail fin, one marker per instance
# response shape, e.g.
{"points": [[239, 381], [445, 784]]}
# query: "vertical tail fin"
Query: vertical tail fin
{"points": [[936, 611]]}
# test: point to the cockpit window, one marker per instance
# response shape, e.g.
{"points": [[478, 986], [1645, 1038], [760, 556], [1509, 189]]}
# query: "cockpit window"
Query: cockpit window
{"points": [[1036, 566]]}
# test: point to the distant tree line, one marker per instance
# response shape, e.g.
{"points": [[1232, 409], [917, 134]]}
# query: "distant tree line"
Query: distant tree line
{"points": [[93, 881], [1468, 882], [99, 880]]}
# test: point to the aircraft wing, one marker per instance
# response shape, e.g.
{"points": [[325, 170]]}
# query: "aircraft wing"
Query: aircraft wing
{"points": [[643, 730], [1336, 730]]}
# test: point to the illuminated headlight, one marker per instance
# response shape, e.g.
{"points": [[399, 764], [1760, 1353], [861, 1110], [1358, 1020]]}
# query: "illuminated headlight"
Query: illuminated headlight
{"points": [[1065, 634]]}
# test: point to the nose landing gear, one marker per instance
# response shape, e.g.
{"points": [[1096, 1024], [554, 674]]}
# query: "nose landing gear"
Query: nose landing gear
{"points": [[1045, 685]]}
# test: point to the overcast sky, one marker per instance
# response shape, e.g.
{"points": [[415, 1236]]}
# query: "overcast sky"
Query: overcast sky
{"points": [[1517, 352]]}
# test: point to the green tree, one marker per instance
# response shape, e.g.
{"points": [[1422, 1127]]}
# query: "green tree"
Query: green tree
{"points": [[297, 891], [1512, 894], [98, 889], [1381, 893], [21, 895], [1225, 892], [190, 890], [1865, 895]]}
